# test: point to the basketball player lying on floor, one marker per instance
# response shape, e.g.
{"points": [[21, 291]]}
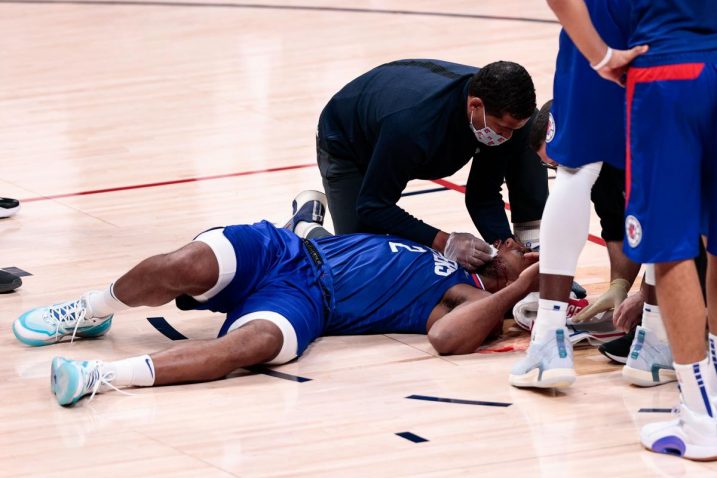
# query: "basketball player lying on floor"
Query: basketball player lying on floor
{"points": [[279, 293]]}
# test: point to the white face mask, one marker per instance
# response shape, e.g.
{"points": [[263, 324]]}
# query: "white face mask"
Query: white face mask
{"points": [[486, 135]]}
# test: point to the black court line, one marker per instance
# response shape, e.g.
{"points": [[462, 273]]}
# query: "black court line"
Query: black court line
{"points": [[308, 8], [457, 400], [412, 437], [165, 328], [423, 191], [17, 271], [655, 410], [273, 373]]}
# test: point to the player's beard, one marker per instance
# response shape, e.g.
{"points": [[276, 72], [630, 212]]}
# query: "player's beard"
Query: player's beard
{"points": [[496, 269]]}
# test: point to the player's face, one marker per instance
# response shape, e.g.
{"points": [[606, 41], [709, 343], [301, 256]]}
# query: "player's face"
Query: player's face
{"points": [[511, 254]]}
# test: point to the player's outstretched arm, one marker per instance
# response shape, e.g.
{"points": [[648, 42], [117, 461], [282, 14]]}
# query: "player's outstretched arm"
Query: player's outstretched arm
{"points": [[465, 328]]}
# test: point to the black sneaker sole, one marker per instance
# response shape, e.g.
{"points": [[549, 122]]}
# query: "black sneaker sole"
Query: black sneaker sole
{"points": [[614, 358]]}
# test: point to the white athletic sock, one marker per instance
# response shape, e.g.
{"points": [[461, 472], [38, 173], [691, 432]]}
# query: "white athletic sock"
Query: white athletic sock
{"points": [[652, 321], [135, 371], [104, 303], [528, 233], [698, 382], [552, 315], [310, 230]]}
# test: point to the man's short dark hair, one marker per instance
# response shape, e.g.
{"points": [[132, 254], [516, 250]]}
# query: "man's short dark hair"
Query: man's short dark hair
{"points": [[537, 134], [504, 87]]}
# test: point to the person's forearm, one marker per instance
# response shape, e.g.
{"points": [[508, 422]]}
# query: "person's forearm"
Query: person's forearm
{"points": [[395, 221], [439, 242], [575, 18], [490, 220], [466, 327]]}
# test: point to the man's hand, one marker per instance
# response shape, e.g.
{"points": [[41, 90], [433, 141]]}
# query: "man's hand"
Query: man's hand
{"points": [[629, 313], [616, 69], [611, 299], [467, 250]]}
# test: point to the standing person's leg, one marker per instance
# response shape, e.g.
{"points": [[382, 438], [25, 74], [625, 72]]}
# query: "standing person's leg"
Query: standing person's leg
{"points": [[548, 362], [680, 98], [649, 362], [342, 182]]}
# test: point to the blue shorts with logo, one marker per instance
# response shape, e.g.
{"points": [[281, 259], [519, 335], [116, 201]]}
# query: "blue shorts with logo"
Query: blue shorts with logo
{"points": [[672, 157]]}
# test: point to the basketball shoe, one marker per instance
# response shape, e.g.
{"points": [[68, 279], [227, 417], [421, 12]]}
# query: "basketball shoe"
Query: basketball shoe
{"points": [[70, 380], [48, 325], [308, 206], [548, 363], [9, 207], [9, 281], [619, 349], [690, 435], [649, 362]]}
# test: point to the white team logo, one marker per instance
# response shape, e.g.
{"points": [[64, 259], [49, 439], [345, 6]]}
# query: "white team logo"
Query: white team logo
{"points": [[633, 230], [550, 134]]}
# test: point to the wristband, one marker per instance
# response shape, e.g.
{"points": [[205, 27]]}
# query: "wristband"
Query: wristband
{"points": [[605, 60]]}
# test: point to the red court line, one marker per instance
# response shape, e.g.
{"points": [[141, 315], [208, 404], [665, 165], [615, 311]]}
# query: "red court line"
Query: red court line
{"points": [[462, 189], [167, 183]]}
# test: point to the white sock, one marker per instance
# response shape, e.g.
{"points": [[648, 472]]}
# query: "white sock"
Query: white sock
{"points": [[135, 371], [652, 321], [104, 303], [698, 381], [528, 233], [310, 230], [552, 314]]}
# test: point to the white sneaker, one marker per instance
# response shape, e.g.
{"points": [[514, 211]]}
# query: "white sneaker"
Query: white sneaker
{"points": [[691, 435], [547, 364], [649, 362]]}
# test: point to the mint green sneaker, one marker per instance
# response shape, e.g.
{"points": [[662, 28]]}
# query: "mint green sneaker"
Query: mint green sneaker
{"points": [[48, 325], [70, 380], [547, 364]]}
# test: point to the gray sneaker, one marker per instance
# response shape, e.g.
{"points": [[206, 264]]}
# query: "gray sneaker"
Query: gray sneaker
{"points": [[547, 364], [649, 362]]}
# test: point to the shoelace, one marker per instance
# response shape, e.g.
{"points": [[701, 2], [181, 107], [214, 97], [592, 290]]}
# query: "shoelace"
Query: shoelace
{"points": [[66, 313], [97, 378]]}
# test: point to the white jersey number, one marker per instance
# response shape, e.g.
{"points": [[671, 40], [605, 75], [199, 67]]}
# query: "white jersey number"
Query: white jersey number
{"points": [[442, 266]]}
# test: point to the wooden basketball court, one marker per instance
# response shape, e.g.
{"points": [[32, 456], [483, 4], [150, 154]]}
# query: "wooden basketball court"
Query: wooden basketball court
{"points": [[127, 128]]}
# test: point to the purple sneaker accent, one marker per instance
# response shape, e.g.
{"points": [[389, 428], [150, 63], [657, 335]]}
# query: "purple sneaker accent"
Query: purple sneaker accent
{"points": [[669, 445]]}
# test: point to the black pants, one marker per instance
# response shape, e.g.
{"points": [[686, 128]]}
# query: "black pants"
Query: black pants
{"points": [[342, 181]]}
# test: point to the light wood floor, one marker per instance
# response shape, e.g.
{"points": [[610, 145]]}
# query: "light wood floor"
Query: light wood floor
{"points": [[107, 96]]}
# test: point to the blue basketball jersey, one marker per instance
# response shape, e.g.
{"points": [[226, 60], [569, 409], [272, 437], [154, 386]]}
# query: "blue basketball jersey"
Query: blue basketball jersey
{"points": [[385, 284], [357, 284], [588, 113], [673, 26]]}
